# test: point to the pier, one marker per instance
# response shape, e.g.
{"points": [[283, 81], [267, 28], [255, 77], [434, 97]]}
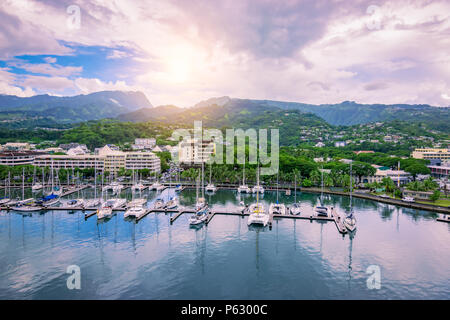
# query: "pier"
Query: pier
{"points": [[70, 191]]}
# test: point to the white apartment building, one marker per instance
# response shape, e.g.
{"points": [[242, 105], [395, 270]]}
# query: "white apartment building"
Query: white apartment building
{"points": [[105, 160], [144, 143], [16, 146], [195, 151], [396, 175], [142, 160], [70, 161], [431, 153], [17, 158]]}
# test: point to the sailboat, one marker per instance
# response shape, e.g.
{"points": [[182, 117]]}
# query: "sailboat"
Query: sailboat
{"points": [[295, 207], [156, 185], [258, 188], [107, 207], [137, 185], [210, 187], [135, 211], [78, 203], [25, 205], [172, 202], [257, 210], [36, 185], [321, 210], [201, 207], [135, 208], [178, 187], [6, 199], [258, 213], [350, 220], [53, 196], [95, 202], [243, 188], [277, 208]]}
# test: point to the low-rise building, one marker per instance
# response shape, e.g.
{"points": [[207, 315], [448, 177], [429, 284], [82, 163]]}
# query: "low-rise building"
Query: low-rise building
{"points": [[70, 161], [398, 176], [107, 160], [431, 153], [442, 171], [417, 195], [16, 146], [18, 158], [195, 151], [144, 143], [320, 144], [68, 146]]}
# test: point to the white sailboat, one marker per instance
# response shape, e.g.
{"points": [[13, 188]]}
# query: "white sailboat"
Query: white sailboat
{"points": [[36, 185], [258, 214], [257, 211], [172, 201], [243, 188], [107, 207], [258, 188], [26, 205], [201, 207], [320, 209], [95, 202], [156, 185], [210, 186], [277, 208], [295, 207], [138, 185], [350, 220], [135, 211], [6, 198]]}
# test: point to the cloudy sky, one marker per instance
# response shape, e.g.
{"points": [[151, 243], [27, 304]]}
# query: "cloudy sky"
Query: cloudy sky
{"points": [[183, 51]]}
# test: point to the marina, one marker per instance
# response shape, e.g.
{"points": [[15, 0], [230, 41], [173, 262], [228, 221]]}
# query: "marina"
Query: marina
{"points": [[221, 246]]}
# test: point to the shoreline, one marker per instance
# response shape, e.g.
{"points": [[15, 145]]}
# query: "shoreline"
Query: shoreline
{"points": [[284, 188]]}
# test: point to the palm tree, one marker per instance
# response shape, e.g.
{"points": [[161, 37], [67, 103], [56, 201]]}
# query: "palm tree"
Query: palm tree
{"points": [[315, 177]]}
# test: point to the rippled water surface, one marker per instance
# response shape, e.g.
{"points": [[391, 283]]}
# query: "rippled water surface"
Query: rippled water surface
{"points": [[297, 259]]}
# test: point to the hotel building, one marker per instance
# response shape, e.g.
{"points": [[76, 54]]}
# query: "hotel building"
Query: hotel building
{"points": [[431, 153], [105, 160], [195, 151]]}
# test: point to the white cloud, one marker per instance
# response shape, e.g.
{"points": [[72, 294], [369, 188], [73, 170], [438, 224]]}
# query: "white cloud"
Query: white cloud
{"points": [[88, 85], [50, 60], [117, 54], [47, 69], [189, 51]]}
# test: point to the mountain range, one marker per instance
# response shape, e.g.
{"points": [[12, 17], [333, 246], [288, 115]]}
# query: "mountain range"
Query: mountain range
{"points": [[225, 111], [98, 105], [217, 112]]}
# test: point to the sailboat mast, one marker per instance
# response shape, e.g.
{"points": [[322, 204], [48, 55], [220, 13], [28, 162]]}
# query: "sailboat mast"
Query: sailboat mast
{"points": [[203, 185], [210, 172], [295, 188], [197, 182], [23, 183], [52, 177], [277, 187], [351, 187], [243, 174], [95, 180]]}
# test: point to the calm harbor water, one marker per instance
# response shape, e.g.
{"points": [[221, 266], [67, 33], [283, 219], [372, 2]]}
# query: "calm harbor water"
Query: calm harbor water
{"points": [[297, 259]]}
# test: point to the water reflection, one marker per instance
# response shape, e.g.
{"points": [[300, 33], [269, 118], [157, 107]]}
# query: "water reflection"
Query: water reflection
{"points": [[153, 259]]}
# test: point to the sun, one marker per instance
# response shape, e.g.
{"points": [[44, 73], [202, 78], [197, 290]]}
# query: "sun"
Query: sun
{"points": [[178, 69]]}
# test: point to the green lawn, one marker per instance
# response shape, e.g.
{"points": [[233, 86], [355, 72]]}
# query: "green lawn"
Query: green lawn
{"points": [[440, 202]]}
